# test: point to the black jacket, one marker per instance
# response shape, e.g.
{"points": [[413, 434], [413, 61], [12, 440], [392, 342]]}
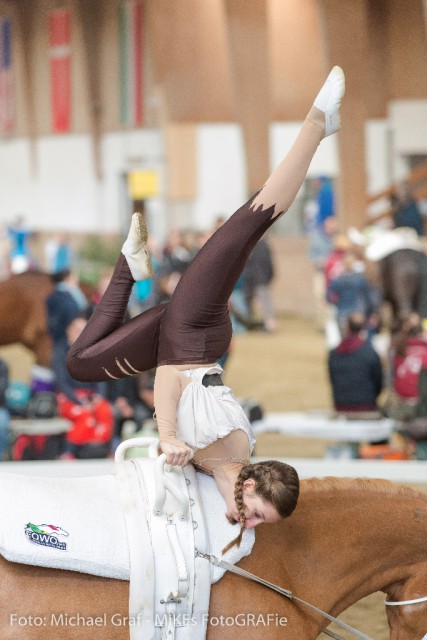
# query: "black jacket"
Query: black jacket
{"points": [[356, 375], [259, 268], [61, 311]]}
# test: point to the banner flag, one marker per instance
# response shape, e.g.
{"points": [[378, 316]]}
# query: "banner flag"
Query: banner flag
{"points": [[7, 94], [60, 69], [131, 62]]}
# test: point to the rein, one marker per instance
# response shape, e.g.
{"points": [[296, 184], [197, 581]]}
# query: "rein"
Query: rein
{"points": [[403, 602], [284, 592]]}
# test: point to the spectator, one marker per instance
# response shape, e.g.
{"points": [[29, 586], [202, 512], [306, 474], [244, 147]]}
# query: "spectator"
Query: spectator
{"points": [[90, 413], [325, 200], [176, 256], [58, 254], [131, 400], [19, 235], [334, 263], [355, 369], [319, 249], [165, 283], [4, 411], [257, 277], [405, 210], [64, 304], [146, 392], [408, 358], [351, 292], [145, 291]]}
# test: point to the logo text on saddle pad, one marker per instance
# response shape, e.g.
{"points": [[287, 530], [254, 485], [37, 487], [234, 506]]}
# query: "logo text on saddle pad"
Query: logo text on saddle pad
{"points": [[46, 535]]}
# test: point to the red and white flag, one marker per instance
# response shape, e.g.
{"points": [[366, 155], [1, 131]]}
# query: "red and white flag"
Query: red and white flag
{"points": [[7, 93], [60, 69]]}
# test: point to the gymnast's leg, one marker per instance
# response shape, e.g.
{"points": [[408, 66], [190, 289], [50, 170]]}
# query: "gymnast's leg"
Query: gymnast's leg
{"points": [[108, 347], [196, 326]]}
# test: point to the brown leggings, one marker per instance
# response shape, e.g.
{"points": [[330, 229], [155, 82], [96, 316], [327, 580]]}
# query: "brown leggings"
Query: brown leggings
{"points": [[194, 326]]}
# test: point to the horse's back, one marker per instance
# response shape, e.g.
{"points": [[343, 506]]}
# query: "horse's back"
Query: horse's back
{"points": [[22, 310], [403, 272]]}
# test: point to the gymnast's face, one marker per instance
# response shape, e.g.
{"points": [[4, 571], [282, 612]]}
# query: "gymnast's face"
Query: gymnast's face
{"points": [[257, 510]]}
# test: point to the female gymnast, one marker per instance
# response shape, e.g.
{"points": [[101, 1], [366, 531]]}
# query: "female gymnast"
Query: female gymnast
{"points": [[197, 415]]}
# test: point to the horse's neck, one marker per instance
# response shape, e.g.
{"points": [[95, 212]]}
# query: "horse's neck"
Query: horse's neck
{"points": [[345, 543]]}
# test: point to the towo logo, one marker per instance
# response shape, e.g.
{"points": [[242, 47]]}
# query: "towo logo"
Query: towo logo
{"points": [[46, 535]]}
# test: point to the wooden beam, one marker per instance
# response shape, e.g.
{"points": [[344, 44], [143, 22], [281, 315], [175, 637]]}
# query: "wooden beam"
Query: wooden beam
{"points": [[188, 49], [418, 174], [340, 21], [23, 13], [250, 64], [90, 15]]}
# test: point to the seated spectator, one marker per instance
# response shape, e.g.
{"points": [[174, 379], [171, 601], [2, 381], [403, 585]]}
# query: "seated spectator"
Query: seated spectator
{"points": [[90, 413], [355, 369], [130, 399], [4, 411], [409, 357]]}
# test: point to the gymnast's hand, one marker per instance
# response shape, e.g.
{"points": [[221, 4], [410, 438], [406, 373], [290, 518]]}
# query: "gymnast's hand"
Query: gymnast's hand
{"points": [[178, 453]]}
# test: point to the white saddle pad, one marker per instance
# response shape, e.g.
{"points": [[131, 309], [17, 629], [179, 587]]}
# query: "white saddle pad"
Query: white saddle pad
{"points": [[390, 241], [78, 524]]}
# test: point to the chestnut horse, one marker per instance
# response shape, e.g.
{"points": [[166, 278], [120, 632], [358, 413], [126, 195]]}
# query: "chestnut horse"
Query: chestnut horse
{"points": [[23, 315], [346, 540]]}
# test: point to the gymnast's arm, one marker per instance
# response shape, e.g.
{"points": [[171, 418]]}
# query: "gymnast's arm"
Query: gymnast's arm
{"points": [[167, 393]]}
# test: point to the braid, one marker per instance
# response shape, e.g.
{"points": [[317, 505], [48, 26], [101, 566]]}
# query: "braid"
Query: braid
{"points": [[275, 482], [238, 496]]}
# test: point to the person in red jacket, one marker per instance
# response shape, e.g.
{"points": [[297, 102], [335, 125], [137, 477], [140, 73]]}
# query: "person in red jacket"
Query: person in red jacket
{"points": [[409, 356], [90, 413]]}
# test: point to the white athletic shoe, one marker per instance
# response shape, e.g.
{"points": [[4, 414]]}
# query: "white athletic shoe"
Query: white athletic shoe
{"points": [[135, 249], [329, 99]]}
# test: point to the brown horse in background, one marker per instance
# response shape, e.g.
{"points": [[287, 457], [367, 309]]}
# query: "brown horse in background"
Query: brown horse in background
{"points": [[23, 315], [345, 540], [404, 282]]}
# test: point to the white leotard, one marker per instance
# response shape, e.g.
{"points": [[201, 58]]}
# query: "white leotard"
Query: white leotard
{"points": [[205, 414]]}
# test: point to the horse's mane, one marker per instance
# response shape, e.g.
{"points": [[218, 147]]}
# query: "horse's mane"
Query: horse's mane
{"points": [[318, 485]]}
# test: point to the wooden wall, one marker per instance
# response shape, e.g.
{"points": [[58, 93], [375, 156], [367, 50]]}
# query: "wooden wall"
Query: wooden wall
{"points": [[245, 61]]}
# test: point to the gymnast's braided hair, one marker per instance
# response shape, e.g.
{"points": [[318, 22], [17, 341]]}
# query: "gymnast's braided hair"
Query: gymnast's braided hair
{"points": [[275, 482]]}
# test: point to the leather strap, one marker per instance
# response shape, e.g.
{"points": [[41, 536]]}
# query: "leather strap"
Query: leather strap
{"points": [[284, 592]]}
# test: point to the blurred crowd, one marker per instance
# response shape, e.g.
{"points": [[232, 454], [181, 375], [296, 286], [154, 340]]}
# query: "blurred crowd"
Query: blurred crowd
{"points": [[365, 380], [16, 255]]}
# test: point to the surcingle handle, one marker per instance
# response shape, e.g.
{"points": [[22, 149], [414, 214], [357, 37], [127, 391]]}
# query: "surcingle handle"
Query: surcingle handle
{"points": [[151, 444], [164, 483]]}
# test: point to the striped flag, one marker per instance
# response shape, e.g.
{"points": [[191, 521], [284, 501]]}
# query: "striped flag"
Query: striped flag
{"points": [[131, 57], [60, 69], [7, 95]]}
